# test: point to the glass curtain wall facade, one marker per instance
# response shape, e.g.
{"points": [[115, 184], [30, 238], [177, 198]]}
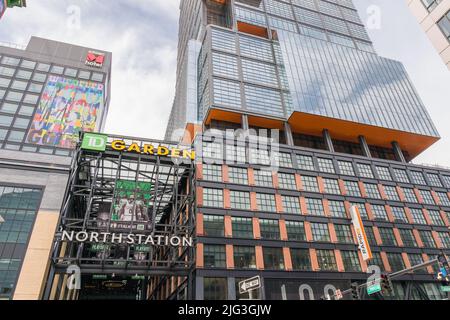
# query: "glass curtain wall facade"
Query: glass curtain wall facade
{"points": [[346, 118]]}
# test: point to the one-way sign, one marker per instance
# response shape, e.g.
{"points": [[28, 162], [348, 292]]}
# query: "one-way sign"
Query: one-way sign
{"points": [[249, 285]]}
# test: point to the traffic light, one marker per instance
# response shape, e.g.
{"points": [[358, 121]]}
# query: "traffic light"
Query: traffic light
{"points": [[386, 283], [355, 291]]}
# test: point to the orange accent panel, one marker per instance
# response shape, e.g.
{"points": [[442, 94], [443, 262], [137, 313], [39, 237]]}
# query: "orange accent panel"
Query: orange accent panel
{"points": [[349, 131], [223, 115], [276, 183], [445, 218], [225, 176], [200, 230], [228, 227], [287, 259], [259, 258], [191, 132], [409, 215], [256, 229], [308, 231], [437, 239], [314, 261], [436, 198], [427, 217], [251, 177], [406, 260], [299, 183], [279, 203], [303, 206], [376, 233], [253, 205], [226, 199], [362, 262], [265, 123], [389, 213], [369, 211], [199, 172], [382, 192], [283, 230], [199, 196], [339, 262], [418, 195], [252, 29], [385, 260], [398, 237], [326, 208], [332, 231], [425, 259], [401, 194], [342, 187], [418, 238], [321, 184], [348, 207], [200, 262], [230, 256], [363, 189]]}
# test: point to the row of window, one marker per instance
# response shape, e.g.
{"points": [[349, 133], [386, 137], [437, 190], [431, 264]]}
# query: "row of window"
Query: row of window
{"points": [[301, 259], [327, 165], [263, 178], [241, 200], [29, 66], [214, 226]]}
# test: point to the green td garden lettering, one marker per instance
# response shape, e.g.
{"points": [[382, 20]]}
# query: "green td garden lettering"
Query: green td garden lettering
{"points": [[99, 142]]}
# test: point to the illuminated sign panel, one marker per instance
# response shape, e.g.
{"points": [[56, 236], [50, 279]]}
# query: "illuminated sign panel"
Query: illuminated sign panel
{"points": [[66, 108], [95, 59], [98, 142]]}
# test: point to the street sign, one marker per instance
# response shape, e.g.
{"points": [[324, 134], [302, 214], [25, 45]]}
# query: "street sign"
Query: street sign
{"points": [[363, 243], [374, 286], [249, 285], [373, 289]]}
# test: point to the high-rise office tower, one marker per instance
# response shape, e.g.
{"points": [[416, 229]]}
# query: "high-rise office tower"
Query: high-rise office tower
{"points": [[350, 122], [434, 18], [49, 92]]}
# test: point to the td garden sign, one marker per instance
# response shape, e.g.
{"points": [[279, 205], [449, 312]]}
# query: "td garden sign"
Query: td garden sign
{"points": [[99, 142]]}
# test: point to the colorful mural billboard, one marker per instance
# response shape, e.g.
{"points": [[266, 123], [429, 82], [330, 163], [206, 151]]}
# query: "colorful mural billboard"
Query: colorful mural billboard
{"points": [[67, 107]]}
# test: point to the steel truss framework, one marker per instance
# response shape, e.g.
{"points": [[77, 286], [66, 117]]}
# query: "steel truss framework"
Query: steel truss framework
{"points": [[93, 194]]}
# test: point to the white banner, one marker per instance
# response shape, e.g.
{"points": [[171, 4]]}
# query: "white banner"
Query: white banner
{"points": [[363, 243]]}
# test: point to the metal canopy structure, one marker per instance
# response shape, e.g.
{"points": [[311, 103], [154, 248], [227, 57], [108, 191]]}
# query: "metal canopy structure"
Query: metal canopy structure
{"points": [[126, 194]]}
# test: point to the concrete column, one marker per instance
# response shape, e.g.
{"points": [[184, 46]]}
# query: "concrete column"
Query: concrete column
{"points": [[398, 152], [328, 141], [364, 146], [288, 132], [245, 125], [231, 289], [199, 288]]}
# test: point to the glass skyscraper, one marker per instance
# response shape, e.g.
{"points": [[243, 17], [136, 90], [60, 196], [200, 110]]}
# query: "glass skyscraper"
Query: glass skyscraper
{"points": [[350, 122]]}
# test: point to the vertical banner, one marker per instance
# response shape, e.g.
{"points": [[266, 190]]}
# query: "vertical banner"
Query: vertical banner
{"points": [[66, 107], [363, 243]]}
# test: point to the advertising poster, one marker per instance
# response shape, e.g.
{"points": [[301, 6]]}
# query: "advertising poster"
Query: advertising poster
{"points": [[131, 208], [66, 107]]}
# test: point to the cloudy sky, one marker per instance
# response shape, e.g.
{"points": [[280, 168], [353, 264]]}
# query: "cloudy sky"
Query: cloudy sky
{"points": [[142, 34]]}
